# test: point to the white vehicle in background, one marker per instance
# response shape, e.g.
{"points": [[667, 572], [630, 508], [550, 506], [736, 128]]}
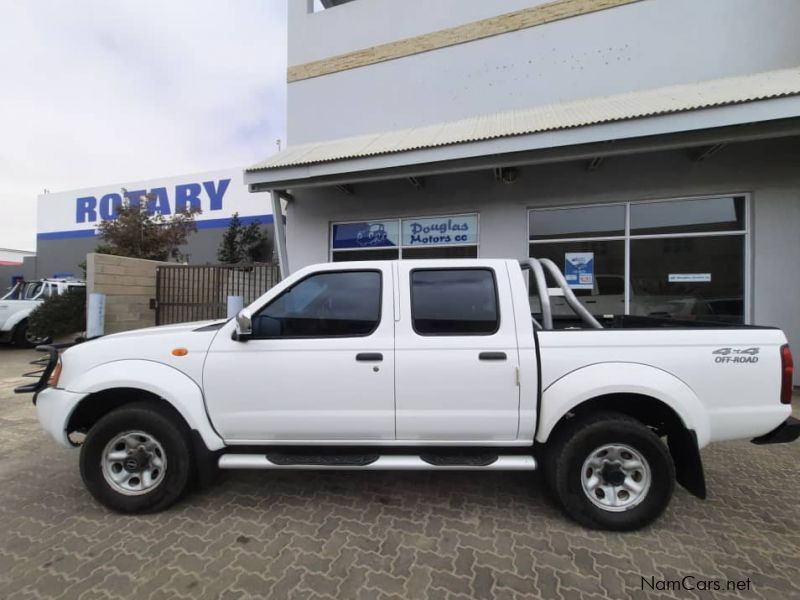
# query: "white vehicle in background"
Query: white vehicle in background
{"points": [[424, 365], [18, 303]]}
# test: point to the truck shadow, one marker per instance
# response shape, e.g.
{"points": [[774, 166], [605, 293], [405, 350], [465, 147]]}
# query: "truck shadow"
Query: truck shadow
{"points": [[409, 492]]}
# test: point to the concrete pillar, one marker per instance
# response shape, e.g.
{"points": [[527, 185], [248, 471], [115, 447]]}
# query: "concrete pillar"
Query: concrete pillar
{"points": [[280, 233]]}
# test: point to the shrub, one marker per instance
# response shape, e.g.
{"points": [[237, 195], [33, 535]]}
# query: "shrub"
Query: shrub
{"points": [[59, 315]]}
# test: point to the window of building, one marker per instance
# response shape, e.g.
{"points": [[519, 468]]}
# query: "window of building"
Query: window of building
{"points": [[454, 302], [335, 304], [688, 216], [565, 223], [682, 259], [448, 236]]}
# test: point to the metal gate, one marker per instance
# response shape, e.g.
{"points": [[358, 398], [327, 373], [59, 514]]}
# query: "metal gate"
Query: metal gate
{"points": [[200, 292]]}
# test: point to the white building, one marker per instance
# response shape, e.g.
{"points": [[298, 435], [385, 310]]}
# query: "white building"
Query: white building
{"points": [[659, 136], [67, 221], [8, 256]]}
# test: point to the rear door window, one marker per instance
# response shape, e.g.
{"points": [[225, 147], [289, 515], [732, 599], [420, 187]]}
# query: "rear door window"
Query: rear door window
{"points": [[454, 302]]}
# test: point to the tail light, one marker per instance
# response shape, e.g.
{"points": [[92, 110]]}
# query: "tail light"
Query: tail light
{"points": [[787, 370]]}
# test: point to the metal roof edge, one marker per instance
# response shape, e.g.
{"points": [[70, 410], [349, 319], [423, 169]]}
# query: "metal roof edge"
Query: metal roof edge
{"points": [[646, 127], [641, 104]]}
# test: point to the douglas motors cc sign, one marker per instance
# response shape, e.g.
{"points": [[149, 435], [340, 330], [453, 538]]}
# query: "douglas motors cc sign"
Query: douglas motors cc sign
{"points": [[457, 230]]}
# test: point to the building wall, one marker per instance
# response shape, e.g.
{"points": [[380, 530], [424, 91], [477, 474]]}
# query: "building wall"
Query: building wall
{"points": [[128, 284], [635, 46], [26, 269], [15, 256], [65, 255], [767, 170]]}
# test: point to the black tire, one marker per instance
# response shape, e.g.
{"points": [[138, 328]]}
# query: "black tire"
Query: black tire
{"points": [[21, 339], [164, 427], [577, 440]]}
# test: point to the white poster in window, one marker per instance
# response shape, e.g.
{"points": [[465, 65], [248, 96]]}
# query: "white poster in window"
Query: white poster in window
{"points": [[579, 270]]}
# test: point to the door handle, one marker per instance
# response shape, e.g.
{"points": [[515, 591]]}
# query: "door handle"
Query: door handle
{"points": [[492, 356], [369, 356]]}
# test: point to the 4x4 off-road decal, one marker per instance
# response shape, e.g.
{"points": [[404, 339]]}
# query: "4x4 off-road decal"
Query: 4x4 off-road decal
{"points": [[736, 355]]}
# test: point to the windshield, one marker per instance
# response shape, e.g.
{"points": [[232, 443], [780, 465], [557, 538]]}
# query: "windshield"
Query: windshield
{"points": [[32, 289]]}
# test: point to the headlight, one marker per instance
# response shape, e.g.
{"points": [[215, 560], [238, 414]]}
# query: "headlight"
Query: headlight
{"points": [[55, 374]]}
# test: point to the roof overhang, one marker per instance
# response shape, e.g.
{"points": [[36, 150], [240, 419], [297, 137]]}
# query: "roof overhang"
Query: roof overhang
{"points": [[734, 109]]}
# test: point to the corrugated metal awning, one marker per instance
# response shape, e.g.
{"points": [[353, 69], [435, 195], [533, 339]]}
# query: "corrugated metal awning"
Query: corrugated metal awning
{"points": [[551, 117]]}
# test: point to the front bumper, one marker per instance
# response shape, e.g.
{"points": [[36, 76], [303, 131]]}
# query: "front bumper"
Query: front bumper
{"points": [[788, 431], [47, 364], [54, 407]]}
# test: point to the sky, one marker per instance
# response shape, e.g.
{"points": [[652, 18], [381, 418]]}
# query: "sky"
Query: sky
{"points": [[94, 92]]}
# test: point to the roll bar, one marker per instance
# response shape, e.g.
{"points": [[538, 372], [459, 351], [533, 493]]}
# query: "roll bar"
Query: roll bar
{"points": [[537, 266]]}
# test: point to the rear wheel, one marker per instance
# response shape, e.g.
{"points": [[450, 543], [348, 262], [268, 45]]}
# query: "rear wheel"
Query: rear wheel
{"points": [[137, 459], [609, 471]]}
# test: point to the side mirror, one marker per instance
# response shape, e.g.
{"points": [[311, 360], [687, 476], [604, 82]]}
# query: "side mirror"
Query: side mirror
{"points": [[244, 325]]}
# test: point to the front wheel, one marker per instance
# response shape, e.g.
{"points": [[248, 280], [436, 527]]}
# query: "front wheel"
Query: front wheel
{"points": [[25, 339], [137, 459], [609, 471]]}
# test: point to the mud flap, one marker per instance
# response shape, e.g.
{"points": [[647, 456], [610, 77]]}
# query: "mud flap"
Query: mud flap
{"points": [[688, 463], [206, 470]]}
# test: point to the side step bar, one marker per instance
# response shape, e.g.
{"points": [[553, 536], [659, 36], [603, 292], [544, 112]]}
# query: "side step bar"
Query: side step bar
{"points": [[389, 462]]}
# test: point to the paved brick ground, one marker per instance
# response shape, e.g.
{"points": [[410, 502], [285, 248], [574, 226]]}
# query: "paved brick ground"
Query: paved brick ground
{"points": [[454, 536]]}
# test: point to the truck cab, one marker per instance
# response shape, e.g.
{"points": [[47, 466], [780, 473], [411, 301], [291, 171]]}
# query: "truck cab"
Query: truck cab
{"points": [[414, 362]]}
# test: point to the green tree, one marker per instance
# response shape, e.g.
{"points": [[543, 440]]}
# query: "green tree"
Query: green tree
{"points": [[59, 315], [139, 234], [228, 251], [243, 243]]}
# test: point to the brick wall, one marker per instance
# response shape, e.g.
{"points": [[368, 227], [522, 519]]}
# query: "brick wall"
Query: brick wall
{"points": [[129, 284]]}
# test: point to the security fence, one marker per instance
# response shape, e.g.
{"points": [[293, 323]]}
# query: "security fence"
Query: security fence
{"points": [[199, 292]]}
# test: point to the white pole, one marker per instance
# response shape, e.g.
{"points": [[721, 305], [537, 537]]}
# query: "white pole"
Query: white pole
{"points": [[95, 315], [280, 233]]}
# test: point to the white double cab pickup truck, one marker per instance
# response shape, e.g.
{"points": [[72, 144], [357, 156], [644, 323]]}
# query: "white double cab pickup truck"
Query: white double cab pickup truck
{"points": [[18, 303], [430, 364]]}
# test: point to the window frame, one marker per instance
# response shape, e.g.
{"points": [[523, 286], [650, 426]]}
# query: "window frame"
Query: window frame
{"points": [[479, 268], [628, 237], [325, 337]]}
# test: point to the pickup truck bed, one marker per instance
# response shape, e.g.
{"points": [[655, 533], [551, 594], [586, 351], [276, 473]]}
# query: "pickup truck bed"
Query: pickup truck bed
{"points": [[434, 365]]}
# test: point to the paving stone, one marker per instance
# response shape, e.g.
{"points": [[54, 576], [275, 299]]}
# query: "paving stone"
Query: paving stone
{"points": [[380, 536]]}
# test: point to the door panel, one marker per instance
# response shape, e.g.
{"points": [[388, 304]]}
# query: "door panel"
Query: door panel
{"points": [[316, 388], [452, 386]]}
